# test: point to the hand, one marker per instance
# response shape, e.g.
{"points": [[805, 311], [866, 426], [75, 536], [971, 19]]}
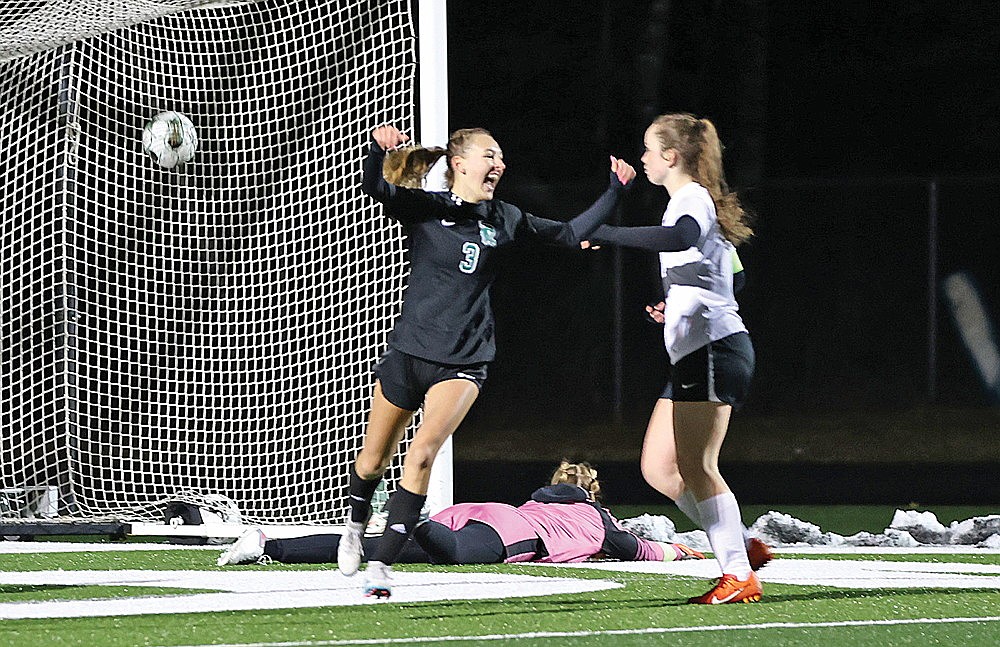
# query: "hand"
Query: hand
{"points": [[389, 137], [586, 244], [623, 170], [655, 311]]}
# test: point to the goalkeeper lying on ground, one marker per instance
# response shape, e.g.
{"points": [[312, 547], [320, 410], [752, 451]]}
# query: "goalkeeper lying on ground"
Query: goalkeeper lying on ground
{"points": [[563, 522]]}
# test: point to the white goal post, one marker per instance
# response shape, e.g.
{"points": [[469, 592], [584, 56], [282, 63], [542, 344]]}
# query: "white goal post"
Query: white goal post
{"points": [[205, 331]]}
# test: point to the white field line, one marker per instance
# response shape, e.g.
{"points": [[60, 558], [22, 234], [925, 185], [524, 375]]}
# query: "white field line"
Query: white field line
{"points": [[243, 590], [613, 632], [246, 590], [34, 547]]}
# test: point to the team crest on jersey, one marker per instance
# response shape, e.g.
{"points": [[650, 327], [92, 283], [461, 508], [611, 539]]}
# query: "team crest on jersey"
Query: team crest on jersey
{"points": [[487, 234]]}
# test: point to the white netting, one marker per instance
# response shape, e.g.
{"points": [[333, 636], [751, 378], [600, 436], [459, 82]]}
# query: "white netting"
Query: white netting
{"points": [[28, 26], [210, 329]]}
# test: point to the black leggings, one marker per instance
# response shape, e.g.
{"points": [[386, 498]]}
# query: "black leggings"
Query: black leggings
{"points": [[432, 543], [322, 549], [474, 543]]}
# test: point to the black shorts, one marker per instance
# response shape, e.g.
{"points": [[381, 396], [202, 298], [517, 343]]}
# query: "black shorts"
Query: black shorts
{"points": [[406, 379], [719, 371]]}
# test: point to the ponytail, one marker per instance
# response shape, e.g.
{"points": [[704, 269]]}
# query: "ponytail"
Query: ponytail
{"points": [[406, 167], [697, 142]]}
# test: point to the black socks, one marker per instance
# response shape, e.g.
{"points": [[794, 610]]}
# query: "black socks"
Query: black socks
{"points": [[404, 512], [359, 496]]}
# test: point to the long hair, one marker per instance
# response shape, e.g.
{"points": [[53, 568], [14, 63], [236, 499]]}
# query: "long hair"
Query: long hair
{"points": [[581, 474], [407, 166], [697, 143]]}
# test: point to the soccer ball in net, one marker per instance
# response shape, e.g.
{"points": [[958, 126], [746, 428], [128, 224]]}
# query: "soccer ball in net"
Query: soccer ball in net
{"points": [[170, 139]]}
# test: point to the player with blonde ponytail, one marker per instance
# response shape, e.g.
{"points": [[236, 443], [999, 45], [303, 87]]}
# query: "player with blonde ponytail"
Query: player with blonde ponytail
{"points": [[711, 356]]}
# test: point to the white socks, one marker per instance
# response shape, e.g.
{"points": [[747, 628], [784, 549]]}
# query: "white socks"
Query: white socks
{"points": [[689, 506], [720, 516]]}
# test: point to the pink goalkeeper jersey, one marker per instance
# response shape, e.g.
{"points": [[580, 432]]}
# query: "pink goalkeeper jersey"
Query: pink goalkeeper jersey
{"points": [[571, 532]]}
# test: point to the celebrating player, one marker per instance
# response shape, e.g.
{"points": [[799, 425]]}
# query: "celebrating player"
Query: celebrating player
{"points": [[443, 339], [563, 522], [711, 357]]}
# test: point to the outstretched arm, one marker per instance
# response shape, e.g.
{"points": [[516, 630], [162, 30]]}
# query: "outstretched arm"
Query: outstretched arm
{"points": [[574, 231], [656, 238], [627, 546]]}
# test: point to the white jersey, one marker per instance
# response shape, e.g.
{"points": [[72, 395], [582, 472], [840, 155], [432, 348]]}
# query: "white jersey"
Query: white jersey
{"points": [[697, 282]]}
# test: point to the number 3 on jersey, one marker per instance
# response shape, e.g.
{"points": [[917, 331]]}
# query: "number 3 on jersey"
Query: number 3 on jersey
{"points": [[471, 251]]}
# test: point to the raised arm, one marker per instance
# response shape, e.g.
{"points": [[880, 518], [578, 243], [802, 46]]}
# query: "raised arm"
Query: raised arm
{"points": [[401, 203], [373, 183]]}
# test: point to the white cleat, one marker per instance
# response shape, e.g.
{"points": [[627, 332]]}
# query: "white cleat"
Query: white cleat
{"points": [[350, 550], [246, 550], [376, 523], [377, 577]]}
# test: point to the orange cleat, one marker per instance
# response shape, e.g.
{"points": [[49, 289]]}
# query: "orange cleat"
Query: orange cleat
{"points": [[758, 553], [729, 590], [686, 552]]}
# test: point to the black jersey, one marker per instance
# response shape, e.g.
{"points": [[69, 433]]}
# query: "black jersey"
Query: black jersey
{"points": [[446, 316]]}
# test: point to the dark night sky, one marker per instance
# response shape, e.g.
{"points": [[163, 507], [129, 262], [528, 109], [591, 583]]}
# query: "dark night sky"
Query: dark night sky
{"points": [[851, 87], [798, 90]]}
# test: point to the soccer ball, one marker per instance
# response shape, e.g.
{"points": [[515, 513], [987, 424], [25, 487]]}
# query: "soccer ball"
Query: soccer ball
{"points": [[170, 139]]}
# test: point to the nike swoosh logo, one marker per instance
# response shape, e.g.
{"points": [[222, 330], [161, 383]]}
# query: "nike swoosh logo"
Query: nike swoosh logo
{"points": [[689, 386], [447, 223], [465, 375], [715, 600]]}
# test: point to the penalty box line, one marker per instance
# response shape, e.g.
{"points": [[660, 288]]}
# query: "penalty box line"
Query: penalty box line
{"points": [[610, 632]]}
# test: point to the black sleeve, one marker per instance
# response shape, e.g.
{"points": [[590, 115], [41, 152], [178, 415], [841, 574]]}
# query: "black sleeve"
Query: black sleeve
{"points": [[739, 281], [618, 543], [573, 232], [657, 238], [372, 182], [402, 204]]}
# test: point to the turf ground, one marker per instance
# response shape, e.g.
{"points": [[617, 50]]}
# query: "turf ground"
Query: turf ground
{"points": [[866, 603]]}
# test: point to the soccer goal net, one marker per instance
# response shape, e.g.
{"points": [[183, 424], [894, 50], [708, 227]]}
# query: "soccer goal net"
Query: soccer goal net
{"points": [[206, 330]]}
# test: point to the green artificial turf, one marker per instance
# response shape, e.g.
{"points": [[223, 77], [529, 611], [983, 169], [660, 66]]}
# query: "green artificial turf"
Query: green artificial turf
{"points": [[646, 604]]}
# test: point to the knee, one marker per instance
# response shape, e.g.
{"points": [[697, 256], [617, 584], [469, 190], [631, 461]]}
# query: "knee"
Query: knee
{"points": [[419, 459], [664, 478], [369, 466], [698, 472]]}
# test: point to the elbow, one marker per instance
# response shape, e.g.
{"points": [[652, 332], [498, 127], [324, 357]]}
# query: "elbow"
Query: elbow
{"points": [[377, 190]]}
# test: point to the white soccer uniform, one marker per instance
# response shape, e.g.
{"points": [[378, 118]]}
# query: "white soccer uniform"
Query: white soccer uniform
{"points": [[697, 282]]}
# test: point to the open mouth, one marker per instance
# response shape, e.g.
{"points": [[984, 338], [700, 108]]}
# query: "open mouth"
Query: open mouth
{"points": [[490, 182]]}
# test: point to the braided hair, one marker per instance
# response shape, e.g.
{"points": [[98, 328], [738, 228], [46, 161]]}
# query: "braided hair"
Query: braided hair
{"points": [[580, 474]]}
